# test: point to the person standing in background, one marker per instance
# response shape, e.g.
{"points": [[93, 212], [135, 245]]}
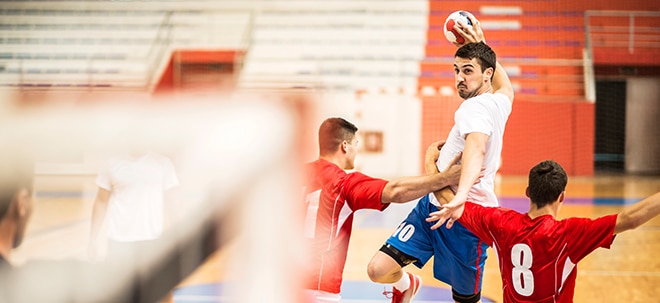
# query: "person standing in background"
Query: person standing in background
{"points": [[131, 194]]}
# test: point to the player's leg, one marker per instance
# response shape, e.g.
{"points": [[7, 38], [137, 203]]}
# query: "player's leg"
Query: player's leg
{"points": [[405, 285], [410, 243], [386, 266], [459, 261]]}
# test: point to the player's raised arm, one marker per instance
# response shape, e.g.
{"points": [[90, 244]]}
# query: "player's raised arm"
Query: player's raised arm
{"points": [[501, 82], [637, 214]]}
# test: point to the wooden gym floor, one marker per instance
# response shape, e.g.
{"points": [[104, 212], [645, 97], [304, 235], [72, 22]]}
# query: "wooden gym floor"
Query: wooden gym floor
{"points": [[629, 272]]}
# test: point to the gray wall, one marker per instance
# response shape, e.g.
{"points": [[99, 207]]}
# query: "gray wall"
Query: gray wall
{"points": [[643, 125]]}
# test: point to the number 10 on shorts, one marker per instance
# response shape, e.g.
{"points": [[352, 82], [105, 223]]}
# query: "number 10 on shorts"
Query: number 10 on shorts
{"points": [[404, 232]]}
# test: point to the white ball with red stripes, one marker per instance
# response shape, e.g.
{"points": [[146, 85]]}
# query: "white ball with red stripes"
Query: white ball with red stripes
{"points": [[451, 23]]}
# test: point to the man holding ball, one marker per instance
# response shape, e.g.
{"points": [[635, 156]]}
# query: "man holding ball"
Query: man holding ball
{"points": [[459, 255]]}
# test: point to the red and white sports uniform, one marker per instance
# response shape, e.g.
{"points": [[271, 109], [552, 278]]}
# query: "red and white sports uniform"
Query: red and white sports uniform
{"points": [[538, 256], [331, 198]]}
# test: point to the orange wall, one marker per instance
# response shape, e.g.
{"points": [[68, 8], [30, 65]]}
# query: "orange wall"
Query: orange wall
{"points": [[557, 5], [560, 131], [166, 82], [536, 131]]}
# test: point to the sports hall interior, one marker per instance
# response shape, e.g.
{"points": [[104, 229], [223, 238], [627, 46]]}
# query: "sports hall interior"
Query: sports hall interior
{"points": [[234, 91]]}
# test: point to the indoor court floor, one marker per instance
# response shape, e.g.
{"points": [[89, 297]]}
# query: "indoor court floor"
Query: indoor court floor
{"points": [[628, 272]]}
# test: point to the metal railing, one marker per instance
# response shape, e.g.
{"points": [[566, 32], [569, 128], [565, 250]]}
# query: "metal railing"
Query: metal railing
{"points": [[631, 35], [158, 49], [632, 30]]}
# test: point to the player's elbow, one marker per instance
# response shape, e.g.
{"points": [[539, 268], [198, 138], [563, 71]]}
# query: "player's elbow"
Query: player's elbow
{"points": [[507, 91], [626, 221], [393, 193]]}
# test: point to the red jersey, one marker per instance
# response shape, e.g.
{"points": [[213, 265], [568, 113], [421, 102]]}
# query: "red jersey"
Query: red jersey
{"points": [[331, 198], [537, 257]]}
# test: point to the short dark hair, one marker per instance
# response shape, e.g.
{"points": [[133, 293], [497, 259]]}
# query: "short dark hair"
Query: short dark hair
{"points": [[481, 51], [547, 180], [334, 131]]}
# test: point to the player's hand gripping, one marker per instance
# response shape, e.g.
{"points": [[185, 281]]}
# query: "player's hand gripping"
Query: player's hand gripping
{"points": [[471, 34], [453, 170], [431, 156]]}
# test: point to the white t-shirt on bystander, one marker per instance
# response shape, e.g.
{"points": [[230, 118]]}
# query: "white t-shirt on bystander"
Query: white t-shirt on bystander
{"points": [[137, 185]]}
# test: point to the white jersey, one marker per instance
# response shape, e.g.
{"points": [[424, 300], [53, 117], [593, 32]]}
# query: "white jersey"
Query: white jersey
{"points": [[136, 185], [487, 114]]}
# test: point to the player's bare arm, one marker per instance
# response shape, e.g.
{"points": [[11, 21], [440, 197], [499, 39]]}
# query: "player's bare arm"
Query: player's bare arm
{"points": [[473, 157], [637, 214], [410, 188], [445, 194], [431, 157]]}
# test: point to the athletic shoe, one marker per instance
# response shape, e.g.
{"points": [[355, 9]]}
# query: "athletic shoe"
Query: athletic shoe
{"points": [[407, 295]]}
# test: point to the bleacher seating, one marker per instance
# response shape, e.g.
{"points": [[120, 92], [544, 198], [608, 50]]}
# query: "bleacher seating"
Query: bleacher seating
{"points": [[370, 47], [344, 44], [103, 44], [61, 48]]}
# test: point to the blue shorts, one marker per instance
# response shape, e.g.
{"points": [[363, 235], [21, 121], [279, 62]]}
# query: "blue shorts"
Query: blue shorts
{"points": [[459, 256]]}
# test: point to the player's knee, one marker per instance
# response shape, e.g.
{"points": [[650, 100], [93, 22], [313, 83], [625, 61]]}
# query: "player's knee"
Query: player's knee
{"points": [[375, 271], [459, 298], [385, 266]]}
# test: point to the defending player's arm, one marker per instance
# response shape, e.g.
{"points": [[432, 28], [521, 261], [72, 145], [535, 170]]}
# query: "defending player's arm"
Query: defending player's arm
{"points": [[431, 156], [637, 214], [410, 188], [473, 157], [445, 194]]}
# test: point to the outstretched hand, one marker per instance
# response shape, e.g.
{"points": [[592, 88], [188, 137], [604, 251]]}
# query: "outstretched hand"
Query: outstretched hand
{"points": [[471, 34], [449, 213]]}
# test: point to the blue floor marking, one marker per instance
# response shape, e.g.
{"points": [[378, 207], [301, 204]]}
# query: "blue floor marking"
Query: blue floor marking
{"points": [[396, 213]]}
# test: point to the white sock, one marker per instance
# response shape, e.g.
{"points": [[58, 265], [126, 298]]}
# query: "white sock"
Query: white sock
{"points": [[403, 283]]}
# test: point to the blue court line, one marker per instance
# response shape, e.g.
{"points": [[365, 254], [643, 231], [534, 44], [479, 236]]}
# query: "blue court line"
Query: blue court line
{"points": [[522, 203]]}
